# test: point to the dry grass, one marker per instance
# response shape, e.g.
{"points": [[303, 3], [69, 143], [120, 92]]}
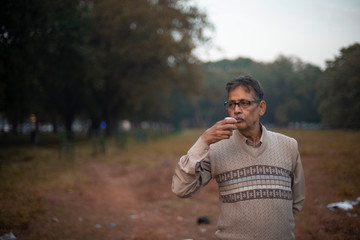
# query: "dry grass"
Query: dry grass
{"points": [[28, 172], [336, 153]]}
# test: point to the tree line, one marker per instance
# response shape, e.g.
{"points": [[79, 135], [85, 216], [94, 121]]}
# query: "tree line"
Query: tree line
{"points": [[103, 60], [110, 60], [288, 84], [295, 92]]}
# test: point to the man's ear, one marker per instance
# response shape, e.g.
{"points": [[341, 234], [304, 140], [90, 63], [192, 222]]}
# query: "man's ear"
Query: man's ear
{"points": [[262, 106]]}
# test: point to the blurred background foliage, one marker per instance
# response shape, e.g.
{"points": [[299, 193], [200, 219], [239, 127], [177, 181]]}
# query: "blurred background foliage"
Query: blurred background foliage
{"points": [[112, 60]]}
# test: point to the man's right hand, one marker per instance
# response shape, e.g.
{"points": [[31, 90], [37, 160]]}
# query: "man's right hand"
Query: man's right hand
{"points": [[219, 131]]}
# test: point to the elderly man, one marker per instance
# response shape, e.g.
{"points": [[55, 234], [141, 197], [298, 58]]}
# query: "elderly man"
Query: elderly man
{"points": [[258, 172]]}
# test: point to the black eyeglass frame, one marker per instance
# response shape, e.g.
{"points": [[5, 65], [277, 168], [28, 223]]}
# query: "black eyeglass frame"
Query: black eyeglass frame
{"points": [[241, 104]]}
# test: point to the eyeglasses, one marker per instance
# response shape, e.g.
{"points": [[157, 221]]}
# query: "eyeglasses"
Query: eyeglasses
{"points": [[243, 104]]}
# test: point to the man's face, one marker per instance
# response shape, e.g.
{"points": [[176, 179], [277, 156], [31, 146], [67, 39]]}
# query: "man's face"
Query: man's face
{"points": [[248, 116]]}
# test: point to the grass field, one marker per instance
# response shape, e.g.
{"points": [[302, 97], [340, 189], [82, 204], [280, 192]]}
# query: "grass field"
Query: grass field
{"points": [[51, 194]]}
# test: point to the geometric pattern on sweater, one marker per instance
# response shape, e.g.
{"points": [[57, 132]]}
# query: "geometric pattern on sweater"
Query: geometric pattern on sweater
{"points": [[254, 182]]}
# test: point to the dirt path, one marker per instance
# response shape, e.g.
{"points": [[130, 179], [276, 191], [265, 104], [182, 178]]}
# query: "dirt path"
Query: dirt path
{"points": [[117, 202], [131, 202]]}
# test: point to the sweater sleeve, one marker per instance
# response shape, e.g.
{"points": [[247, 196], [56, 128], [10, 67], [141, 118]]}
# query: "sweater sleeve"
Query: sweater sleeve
{"points": [[298, 186], [193, 170]]}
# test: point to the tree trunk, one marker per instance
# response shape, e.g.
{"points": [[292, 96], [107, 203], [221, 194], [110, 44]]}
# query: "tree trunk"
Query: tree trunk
{"points": [[69, 118]]}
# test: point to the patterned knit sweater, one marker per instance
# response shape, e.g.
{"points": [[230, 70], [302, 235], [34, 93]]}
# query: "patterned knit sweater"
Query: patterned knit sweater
{"points": [[260, 189]]}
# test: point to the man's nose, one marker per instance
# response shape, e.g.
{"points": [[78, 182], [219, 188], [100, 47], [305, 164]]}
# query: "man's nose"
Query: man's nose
{"points": [[237, 108]]}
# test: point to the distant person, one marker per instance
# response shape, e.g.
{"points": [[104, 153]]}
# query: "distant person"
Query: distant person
{"points": [[258, 172]]}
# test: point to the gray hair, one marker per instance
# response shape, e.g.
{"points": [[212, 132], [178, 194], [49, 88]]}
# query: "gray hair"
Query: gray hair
{"points": [[248, 83]]}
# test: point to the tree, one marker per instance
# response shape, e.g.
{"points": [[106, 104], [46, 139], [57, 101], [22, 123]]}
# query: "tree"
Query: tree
{"points": [[290, 90], [106, 59], [21, 26], [63, 70], [140, 51], [42, 69], [339, 90]]}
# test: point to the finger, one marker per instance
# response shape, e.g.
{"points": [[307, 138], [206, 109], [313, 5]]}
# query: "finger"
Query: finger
{"points": [[227, 126], [225, 134], [222, 127]]}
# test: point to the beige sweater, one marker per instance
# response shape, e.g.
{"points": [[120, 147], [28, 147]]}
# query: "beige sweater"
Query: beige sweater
{"points": [[260, 189]]}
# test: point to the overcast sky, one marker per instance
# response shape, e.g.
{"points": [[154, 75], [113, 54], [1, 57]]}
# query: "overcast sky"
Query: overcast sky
{"points": [[313, 30]]}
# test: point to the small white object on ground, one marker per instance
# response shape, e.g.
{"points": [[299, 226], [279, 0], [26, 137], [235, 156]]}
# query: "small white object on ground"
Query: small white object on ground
{"points": [[346, 205], [8, 236]]}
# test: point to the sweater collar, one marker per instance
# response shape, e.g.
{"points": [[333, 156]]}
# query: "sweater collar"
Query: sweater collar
{"points": [[253, 151], [249, 142]]}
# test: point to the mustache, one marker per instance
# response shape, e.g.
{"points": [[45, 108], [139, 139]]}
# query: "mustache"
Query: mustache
{"points": [[239, 118]]}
